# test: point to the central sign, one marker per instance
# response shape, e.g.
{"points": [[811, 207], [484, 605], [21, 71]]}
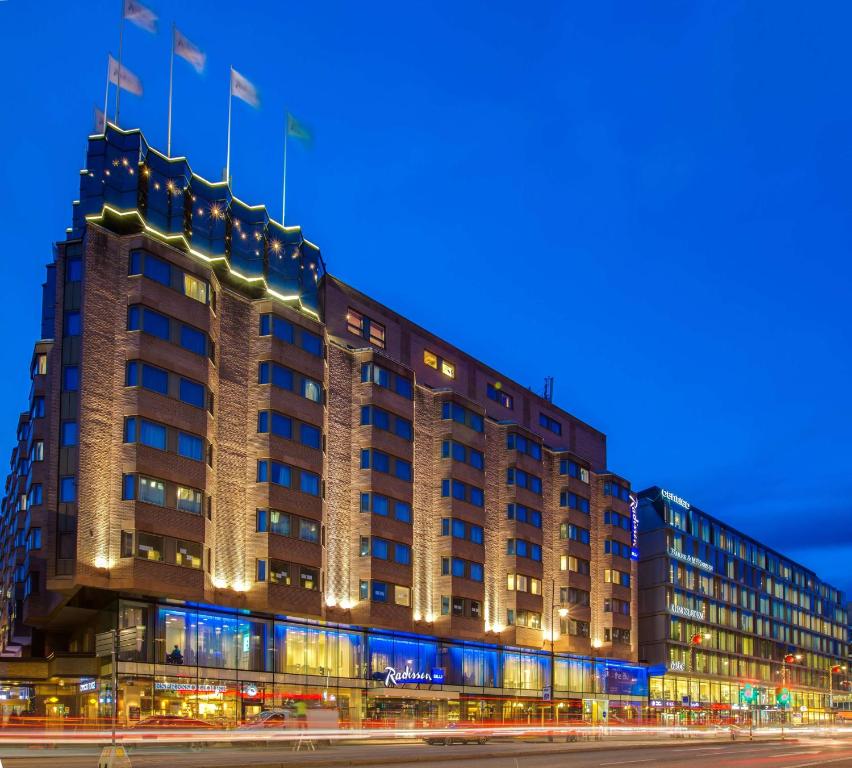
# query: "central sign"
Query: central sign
{"points": [[690, 560], [408, 676], [668, 495], [687, 613]]}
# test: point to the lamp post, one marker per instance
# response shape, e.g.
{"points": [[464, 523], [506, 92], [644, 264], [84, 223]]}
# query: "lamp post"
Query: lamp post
{"points": [[836, 669], [563, 612]]}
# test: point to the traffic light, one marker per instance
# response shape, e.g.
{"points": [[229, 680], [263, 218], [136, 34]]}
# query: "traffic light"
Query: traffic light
{"points": [[782, 697], [789, 658]]}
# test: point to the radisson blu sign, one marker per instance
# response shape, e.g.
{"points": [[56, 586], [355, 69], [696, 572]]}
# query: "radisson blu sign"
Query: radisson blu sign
{"points": [[393, 678]]}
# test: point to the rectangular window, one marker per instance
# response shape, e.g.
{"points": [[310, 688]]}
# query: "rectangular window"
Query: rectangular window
{"points": [[379, 592], [72, 323], [68, 489], [279, 522], [189, 500], [152, 491], [309, 483], [309, 530], [402, 595], [191, 392], [548, 423], [149, 547], [71, 378], [495, 393], [276, 326], [461, 415], [359, 324], [190, 446], [310, 436], [279, 572], [193, 340], [311, 343], [308, 578], [195, 288]]}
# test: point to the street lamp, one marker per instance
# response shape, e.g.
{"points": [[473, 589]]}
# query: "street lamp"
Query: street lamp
{"points": [[563, 612], [836, 669]]}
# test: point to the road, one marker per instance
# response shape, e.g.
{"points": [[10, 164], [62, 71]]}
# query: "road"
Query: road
{"points": [[802, 753]]}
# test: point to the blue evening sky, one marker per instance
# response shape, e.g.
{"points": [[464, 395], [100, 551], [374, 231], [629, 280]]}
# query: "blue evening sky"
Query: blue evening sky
{"points": [[648, 201]]}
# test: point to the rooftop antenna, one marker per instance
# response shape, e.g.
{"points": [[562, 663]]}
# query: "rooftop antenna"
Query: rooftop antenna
{"points": [[548, 388]]}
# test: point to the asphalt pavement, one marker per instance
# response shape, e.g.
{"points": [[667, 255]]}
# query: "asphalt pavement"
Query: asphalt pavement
{"points": [[792, 753]]}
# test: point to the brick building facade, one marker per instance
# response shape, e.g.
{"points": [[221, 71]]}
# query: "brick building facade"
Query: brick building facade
{"points": [[219, 429]]}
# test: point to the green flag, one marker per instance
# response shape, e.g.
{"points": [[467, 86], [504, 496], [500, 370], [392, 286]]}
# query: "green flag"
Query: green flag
{"points": [[297, 130]]}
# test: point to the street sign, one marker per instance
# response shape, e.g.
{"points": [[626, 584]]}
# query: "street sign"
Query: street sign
{"points": [[131, 639], [104, 643]]}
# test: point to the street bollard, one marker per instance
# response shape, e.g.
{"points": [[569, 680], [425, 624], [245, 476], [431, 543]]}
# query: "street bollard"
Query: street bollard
{"points": [[113, 757]]}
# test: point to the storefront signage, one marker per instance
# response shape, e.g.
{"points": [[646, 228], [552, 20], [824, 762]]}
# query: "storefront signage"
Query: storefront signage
{"points": [[190, 687], [408, 676], [676, 499], [634, 521], [662, 703], [687, 613], [88, 685], [677, 666], [690, 560], [622, 680]]}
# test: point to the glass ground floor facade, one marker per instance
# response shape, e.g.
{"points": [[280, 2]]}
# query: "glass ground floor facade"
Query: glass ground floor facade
{"points": [[683, 699], [226, 667]]}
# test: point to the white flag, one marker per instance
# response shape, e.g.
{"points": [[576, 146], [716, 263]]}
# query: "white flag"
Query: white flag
{"points": [[186, 50], [243, 89], [100, 121], [140, 15], [128, 81]]}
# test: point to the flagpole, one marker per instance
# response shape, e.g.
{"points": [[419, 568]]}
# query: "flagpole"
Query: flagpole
{"points": [[171, 83], [120, 44], [230, 101], [106, 96], [284, 188]]}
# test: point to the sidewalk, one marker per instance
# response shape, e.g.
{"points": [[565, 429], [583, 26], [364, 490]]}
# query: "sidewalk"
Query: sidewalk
{"points": [[341, 756]]}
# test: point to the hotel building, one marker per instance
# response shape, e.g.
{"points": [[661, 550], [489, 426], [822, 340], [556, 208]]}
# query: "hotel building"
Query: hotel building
{"points": [[282, 490], [732, 629]]}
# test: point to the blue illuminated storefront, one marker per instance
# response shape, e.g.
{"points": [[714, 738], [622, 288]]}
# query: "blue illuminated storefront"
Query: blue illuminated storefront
{"points": [[227, 666]]}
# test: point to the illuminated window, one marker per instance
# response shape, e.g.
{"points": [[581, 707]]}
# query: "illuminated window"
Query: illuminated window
{"points": [[149, 547], [510, 582], [188, 554], [308, 578], [279, 572], [361, 325], [438, 363], [194, 288], [402, 595], [188, 500]]}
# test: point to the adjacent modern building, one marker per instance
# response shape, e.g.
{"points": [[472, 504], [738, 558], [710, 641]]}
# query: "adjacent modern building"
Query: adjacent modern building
{"points": [[733, 630], [283, 490]]}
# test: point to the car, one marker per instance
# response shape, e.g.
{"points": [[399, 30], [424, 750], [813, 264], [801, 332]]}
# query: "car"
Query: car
{"points": [[272, 718], [172, 721], [460, 735]]}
